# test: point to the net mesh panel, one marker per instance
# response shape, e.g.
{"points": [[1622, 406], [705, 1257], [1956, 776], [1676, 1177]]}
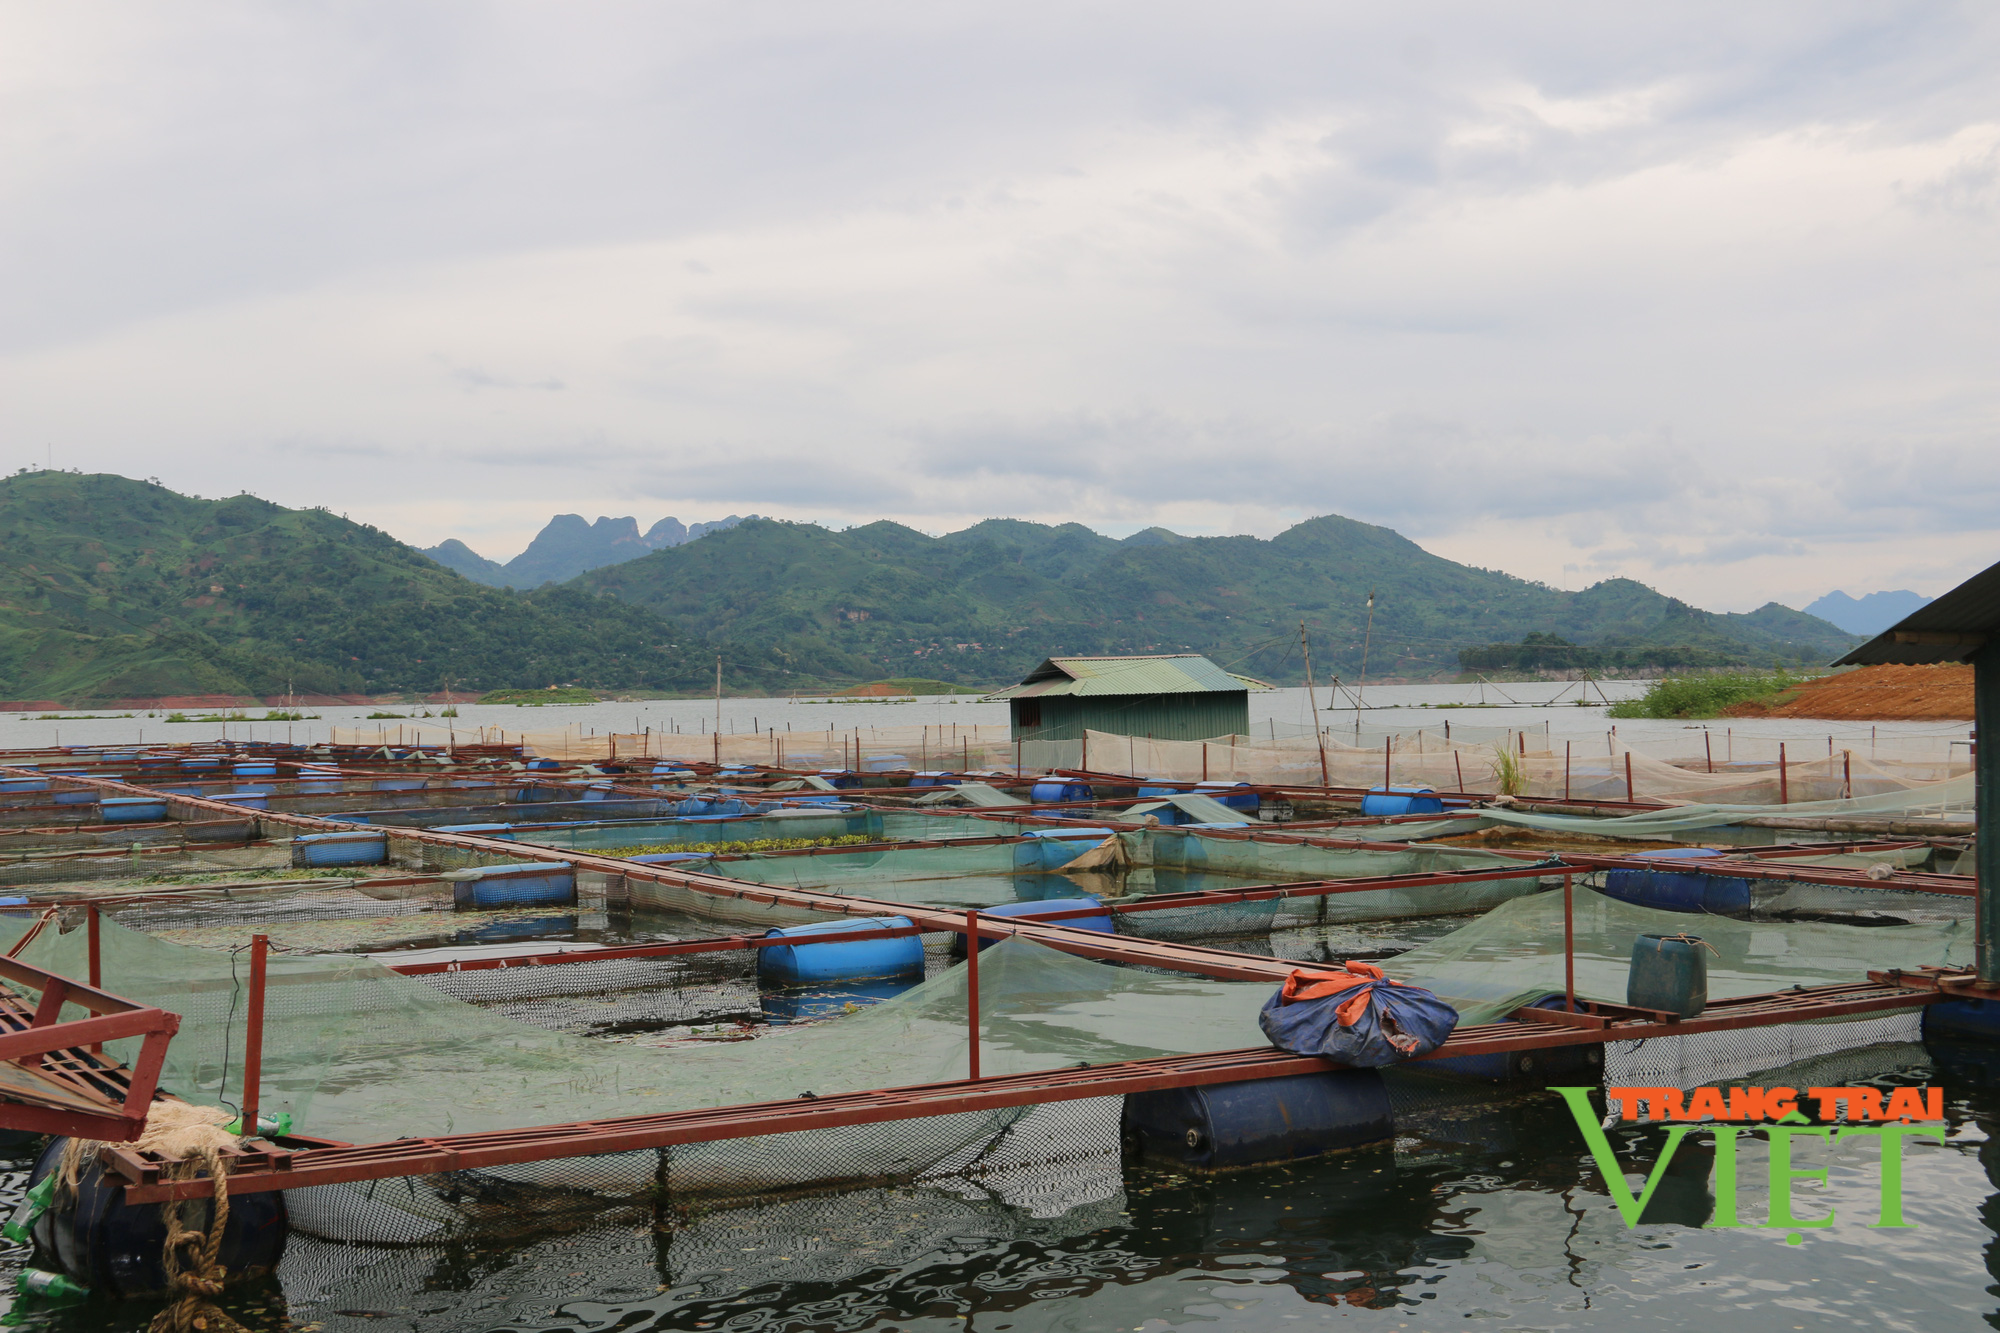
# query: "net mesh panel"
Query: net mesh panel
{"points": [[1732, 770], [1513, 955]]}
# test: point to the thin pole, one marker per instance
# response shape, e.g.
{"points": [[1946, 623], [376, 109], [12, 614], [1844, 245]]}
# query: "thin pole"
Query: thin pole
{"points": [[1784, 785], [1366, 634], [1569, 947], [1847, 774], [1204, 761], [1708, 747], [1458, 762], [1566, 746], [1313, 699], [253, 1038], [1630, 798], [95, 937], [716, 741], [1387, 744], [972, 993]]}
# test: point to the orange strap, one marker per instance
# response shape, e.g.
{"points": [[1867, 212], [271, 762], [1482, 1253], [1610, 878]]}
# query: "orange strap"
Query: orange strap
{"points": [[1306, 985]]}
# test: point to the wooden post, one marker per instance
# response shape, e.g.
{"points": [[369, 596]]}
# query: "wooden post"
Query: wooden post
{"points": [[1566, 747], [1708, 747], [1569, 947], [1630, 797], [1847, 774], [1313, 699], [1457, 762], [972, 993], [253, 1037], [1784, 784], [1204, 761], [1387, 750]]}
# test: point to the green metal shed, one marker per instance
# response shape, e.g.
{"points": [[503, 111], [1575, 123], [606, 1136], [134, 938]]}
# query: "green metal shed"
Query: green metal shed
{"points": [[1171, 697]]}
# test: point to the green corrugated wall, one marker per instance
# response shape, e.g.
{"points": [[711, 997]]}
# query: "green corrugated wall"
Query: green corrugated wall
{"points": [[1166, 717]]}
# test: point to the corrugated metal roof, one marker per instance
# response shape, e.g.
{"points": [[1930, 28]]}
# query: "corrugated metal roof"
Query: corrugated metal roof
{"points": [[1950, 629], [1174, 673]]}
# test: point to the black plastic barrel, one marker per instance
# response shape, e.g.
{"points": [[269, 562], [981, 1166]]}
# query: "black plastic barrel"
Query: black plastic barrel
{"points": [[1669, 972], [1228, 1125], [118, 1249]]}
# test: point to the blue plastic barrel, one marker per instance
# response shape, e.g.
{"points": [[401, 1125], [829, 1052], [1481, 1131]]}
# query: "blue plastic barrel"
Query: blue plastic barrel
{"points": [[1518, 1066], [1226, 793], [201, 765], [1679, 891], [116, 1248], [840, 777], [521, 884], [317, 780], [132, 809], [806, 963], [249, 770], [1385, 802], [597, 791], [1669, 972], [1145, 792], [1050, 791], [1976, 1020], [249, 800], [504, 832], [1041, 908], [936, 778], [353, 848], [543, 765], [23, 784], [1228, 1125]]}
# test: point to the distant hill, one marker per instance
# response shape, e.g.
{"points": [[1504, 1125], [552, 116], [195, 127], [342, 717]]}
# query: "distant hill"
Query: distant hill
{"points": [[985, 604], [112, 588], [568, 546], [1866, 615]]}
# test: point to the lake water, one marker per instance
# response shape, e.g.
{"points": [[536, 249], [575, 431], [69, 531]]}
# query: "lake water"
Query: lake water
{"points": [[1558, 709], [1478, 1217]]}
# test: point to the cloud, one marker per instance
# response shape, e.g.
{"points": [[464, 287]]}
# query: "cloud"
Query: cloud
{"points": [[1699, 295]]}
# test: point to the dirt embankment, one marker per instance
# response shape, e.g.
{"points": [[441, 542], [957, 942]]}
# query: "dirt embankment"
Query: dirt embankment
{"points": [[1878, 694]]}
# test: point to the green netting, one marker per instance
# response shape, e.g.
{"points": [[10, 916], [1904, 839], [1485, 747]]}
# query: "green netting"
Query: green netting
{"points": [[357, 1052], [1948, 796], [971, 793], [1159, 860], [1514, 954], [876, 825]]}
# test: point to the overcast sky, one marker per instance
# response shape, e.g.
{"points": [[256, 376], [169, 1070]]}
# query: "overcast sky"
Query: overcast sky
{"points": [[1702, 294]]}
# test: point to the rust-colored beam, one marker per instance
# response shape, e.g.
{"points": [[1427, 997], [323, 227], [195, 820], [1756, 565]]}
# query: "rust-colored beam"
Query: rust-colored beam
{"points": [[463, 1152]]}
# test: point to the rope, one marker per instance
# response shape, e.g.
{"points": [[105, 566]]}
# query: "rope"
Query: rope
{"points": [[192, 1137], [196, 1280]]}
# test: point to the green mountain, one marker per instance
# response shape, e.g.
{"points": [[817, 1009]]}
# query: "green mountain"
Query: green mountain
{"points": [[985, 604], [568, 546], [112, 588]]}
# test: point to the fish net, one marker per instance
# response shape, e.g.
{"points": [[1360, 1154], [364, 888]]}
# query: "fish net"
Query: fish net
{"points": [[1731, 771]]}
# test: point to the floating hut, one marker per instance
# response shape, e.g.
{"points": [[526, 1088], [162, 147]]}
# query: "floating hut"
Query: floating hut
{"points": [[1173, 696]]}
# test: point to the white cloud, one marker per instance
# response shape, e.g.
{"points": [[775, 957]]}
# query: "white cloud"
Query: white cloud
{"points": [[1699, 297]]}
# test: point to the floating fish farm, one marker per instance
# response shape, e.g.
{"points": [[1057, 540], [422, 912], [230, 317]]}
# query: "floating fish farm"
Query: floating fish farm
{"points": [[391, 993]]}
